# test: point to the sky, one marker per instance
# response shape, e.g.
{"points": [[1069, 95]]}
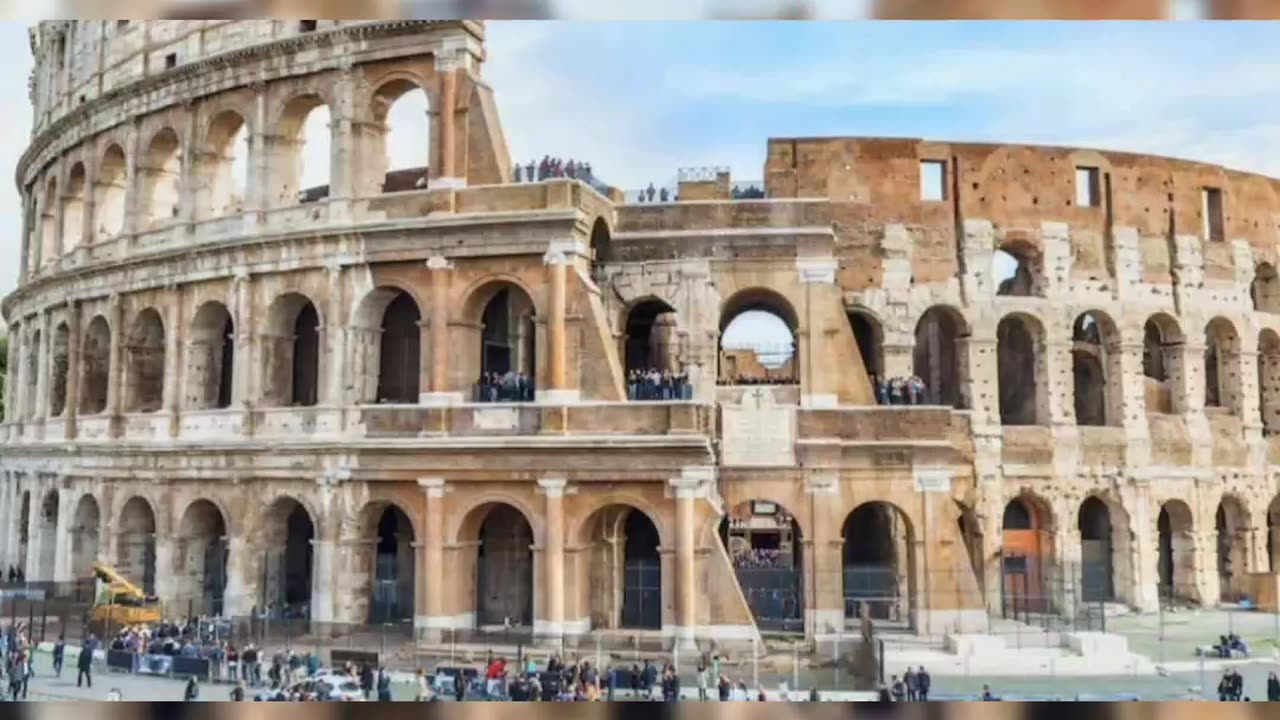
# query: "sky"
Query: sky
{"points": [[641, 100]]}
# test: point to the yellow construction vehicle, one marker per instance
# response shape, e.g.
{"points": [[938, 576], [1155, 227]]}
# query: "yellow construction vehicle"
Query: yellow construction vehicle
{"points": [[120, 602]]}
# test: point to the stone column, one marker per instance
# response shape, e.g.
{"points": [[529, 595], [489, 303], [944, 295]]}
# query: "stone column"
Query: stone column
{"points": [[686, 490], [335, 337], [438, 386], [449, 175], [257, 183], [42, 368], [825, 596], [173, 361], [323, 552], [430, 617], [242, 573], [63, 572], [166, 580], [16, 405], [813, 346], [115, 362], [556, 382], [35, 535], [71, 403], [553, 556]]}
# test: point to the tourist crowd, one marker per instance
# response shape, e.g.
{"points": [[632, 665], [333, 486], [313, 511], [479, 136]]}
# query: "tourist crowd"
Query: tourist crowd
{"points": [[504, 387], [753, 380], [912, 686], [899, 390], [649, 193], [550, 167], [762, 558], [16, 575], [751, 192], [654, 384]]}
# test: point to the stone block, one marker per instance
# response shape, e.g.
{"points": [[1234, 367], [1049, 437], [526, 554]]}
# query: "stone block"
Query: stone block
{"points": [[975, 645], [1090, 644]]}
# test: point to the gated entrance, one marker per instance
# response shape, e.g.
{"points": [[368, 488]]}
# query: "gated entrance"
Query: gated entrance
{"points": [[763, 542], [215, 575], [642, 594], [775, 596]]}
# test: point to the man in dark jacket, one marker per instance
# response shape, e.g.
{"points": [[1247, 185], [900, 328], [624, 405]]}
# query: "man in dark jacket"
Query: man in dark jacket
{"points": [[85, 662], [922, 684], [59, 652], [366, 680]]}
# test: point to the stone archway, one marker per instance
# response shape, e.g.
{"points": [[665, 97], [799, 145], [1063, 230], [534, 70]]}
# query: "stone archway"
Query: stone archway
{"points": [[1097, 575], [878, 563], [1027, 572], [623, 569], [391, 575], [504, 567], [766, 548], [136, 544], [84, 537], [1176, 558], [200, 572], [1232, 530], [288, 532]]}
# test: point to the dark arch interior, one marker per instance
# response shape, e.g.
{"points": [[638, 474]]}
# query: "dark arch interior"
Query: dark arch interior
{"points": [[1094, 524], [136, 544], [393, 568], [58, 390], [96, 359], [299, 534], [872, 567], [1016, 361], [504, 571], [642, 573], [937, 357], [400, 352], [226, 364], [145, 370], [1089, 371], [1017, 516], [601, 243], [765, 547], [204, 533], [306, 356], [870, 338], [650, 336]]}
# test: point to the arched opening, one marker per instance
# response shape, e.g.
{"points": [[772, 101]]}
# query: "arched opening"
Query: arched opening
{"points": [[144, 368], [1162, 342], [392, 587], [621, 570], [84, 537], [869, 337], [506, 344], [24, 530], [211, 358], [49, 244], [878, 566], [1021, 371], [504, 568], [286, 574], [1269, 381], [95, 361], [291, 352], [1177, 553], [764, 543], [601, 242], [34, 354], [941, 357], [1027, 558], [161, 174], [400, 351], [73, 209], [136, 544], [109, 194], [971, 534], [1096, 572], [1273, 534], [300, 154], [1014, 270], [1096, 371], [201, 572], [758, 340], [58, 370], [403, 112], [1221, 371], [224, 167], [1231, 521], [650, 346], [47, 537], [1265, 289]]}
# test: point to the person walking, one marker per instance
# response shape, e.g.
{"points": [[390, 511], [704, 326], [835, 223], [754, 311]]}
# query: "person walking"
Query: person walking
{"points": [[192, 691], [84, 663], [59, 651], [702, 682], [922, 684], [1273, 688], [898, 689], [909, 679], [384, 685]]}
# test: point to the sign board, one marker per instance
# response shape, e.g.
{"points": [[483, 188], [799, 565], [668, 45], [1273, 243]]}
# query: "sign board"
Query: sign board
{"points": [[933, 481], [495, 418], [758, 433]]}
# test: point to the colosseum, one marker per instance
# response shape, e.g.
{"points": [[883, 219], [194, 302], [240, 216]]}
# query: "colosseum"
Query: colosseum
{"points": [[412, 394]]}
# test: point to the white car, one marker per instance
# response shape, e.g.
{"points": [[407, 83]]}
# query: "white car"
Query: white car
{"points": [[347, 690]]}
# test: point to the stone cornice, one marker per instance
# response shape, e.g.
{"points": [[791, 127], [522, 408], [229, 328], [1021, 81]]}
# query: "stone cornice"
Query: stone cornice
{"points": [[284, 46]]}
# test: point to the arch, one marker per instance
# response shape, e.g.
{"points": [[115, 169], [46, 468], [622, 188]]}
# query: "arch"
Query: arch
{"points": [[878, 562], [86, 525], [73, 202], [1020, 360], [136, 543], [1096, 369], [223, 167], [24, 531], [1015, 267], [1269, 380], [1176, 558], [941, 356], [60, 359], [50, 243], [1232, 527], [144, 363], [389, 346], [620, 571], [601, 242], [869, 336], [95, 362], [1264, 291], [758, 345], [1221, 366], [300, 156], [503, 564], [1096, 572], [1162, 365], [211, 357], [1027, 557], [387, 578], [161, 174], [502, 348], [291, 352], [764, 542], [200, 572], [402, 139], [1273, 534], [46, 538], [650, 341], [288, 529], [109, 194]]}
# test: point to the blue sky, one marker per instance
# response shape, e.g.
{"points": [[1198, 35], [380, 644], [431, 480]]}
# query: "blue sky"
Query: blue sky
{"points": [[640, 100]]}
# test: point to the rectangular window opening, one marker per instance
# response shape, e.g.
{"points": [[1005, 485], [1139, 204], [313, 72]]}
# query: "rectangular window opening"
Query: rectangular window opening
{"points": [[122, 24], [170, 61], [307, 26], [933, 180], [1088, 189], [1212, 212]]}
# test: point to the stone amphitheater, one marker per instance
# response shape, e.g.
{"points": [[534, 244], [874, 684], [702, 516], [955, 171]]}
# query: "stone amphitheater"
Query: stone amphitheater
{"points": [[247, 392]]}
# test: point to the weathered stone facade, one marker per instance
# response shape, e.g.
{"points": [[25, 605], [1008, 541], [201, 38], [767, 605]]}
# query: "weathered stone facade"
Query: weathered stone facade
{"points": [[267, 398]]}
